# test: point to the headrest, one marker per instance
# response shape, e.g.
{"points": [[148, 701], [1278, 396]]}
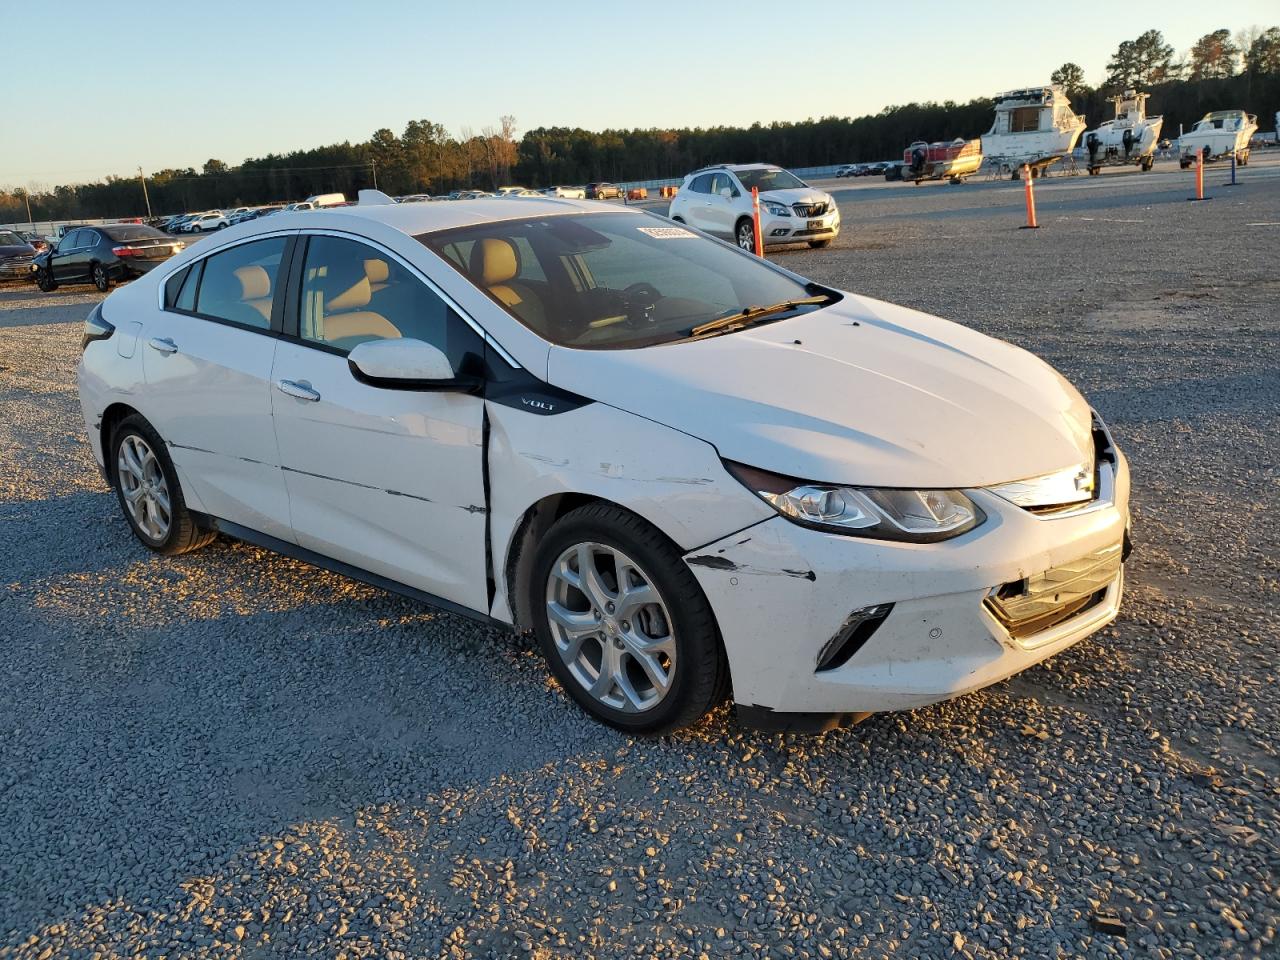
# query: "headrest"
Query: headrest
{"points": [[494, 260], [357, 295], [255, 282], [377, 271]]}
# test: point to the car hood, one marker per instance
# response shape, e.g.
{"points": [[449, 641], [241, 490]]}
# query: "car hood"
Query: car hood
{"points": [[16, 250], [798, 195], [861, 392]]}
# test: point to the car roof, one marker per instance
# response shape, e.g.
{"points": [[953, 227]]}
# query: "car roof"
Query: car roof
{"points": [[418, 218]]}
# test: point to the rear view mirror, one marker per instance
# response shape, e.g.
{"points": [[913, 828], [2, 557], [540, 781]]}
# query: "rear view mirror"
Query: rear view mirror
{"points": [[407, 364]]}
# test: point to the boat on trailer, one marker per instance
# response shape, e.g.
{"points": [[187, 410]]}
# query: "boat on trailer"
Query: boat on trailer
{"points": [[1128, 139], [1222, 133], [1033, 127], [950, 160]]}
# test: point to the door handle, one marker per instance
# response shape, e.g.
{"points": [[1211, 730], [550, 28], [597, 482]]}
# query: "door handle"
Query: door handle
{"points": [[301, 391], [163, 344]]}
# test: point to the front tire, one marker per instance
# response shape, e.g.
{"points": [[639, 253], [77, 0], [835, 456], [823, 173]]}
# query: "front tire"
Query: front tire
{"points": [[101, 279], [45, 281], [819, 244], [148, 490], [623, 624], [745, 234]]}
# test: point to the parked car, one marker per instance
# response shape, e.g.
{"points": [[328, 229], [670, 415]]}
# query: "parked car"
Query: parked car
{"points": [[567, 193], [37, 241], [16, 254], [599, 425], [717, 200], [204, 222], [318, 201], [847, 170], [103, 256], [603, 191]]}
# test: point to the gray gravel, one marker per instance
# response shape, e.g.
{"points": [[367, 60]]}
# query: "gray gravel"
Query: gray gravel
{"points": [[234, 754]]}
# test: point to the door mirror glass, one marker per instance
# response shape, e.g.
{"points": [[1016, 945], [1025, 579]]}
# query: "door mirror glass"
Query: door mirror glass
{"points": [[404, 363]]}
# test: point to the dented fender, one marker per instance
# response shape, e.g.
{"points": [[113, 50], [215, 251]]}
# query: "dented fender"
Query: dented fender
{"points": [[674, 481]]}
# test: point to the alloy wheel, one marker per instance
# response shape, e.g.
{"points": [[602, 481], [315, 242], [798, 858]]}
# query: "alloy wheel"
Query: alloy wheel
{"points": [[145, 489], [746, 237], [100, 279], [611, 627]]}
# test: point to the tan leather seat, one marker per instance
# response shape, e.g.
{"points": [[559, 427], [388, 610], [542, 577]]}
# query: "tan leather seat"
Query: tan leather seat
{"points": [[345, 319], [377, 272], [495, 263], [255, 289]]}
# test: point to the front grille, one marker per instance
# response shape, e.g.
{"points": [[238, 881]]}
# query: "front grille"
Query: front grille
{"points": [[1034, 604], [809, 209]]}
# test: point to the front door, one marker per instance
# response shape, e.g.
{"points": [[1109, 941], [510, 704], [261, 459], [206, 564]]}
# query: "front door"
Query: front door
{"points": [[70, 263], [390, 481], [207, 360]]}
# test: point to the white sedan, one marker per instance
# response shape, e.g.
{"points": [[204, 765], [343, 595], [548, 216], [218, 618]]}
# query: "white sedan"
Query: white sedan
{"points": [[566, 193], [690, 471]]}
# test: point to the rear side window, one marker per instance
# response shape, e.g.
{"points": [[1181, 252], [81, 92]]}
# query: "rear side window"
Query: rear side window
{"points": [[239, 285], [701, 184], [180, 289]]}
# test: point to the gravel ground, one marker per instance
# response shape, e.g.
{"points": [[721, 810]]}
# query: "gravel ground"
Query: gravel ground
{"points": [[232, 754]]}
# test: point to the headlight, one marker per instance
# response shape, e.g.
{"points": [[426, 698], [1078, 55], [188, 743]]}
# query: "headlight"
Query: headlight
{"points": [[776, 208], [881, 513]]}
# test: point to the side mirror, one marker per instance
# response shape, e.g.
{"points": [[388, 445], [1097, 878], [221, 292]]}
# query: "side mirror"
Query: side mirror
{"points": [[408, 364]]}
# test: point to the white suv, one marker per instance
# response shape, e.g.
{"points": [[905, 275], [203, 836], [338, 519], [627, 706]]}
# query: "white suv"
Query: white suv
{"points": [[717, 200]]}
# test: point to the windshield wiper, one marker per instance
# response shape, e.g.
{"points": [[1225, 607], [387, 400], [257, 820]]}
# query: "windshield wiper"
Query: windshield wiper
{"points": [[749, 315]]}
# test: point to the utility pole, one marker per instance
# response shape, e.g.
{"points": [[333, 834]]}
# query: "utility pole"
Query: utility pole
{"points": [[144, 192], [374, 164], [27, 197]]}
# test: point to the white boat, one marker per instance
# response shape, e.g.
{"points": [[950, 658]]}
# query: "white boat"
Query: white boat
{"points": [[1130, 138], [1033, 127], [1222, 133]]}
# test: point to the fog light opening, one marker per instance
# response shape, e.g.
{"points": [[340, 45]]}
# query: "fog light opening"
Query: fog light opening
{"points": [[852, 635]]}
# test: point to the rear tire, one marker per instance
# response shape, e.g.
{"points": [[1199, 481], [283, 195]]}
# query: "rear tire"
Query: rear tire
{"points": [[604, 650], [101, 279], [147, 488]]}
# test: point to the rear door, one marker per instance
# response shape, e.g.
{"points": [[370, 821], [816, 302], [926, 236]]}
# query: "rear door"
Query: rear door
{"points": [[207, 359], [720, 208], [390, 481], [697, 210]]}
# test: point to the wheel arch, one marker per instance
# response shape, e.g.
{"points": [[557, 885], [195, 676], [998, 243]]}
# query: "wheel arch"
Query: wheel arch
{"points": [[536, 520], [112, 417]]}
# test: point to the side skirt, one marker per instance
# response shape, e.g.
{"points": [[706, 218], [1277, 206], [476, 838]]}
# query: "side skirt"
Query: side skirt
{"points": [[249, 535]]}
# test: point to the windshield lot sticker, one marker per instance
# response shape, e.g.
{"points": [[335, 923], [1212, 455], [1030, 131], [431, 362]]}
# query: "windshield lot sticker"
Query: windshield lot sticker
{"points": [[666, 233]]}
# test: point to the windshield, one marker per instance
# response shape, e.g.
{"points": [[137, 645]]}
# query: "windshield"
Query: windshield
{"points": [[769, 179], [10, 239], [133, 233], [612, 280]]}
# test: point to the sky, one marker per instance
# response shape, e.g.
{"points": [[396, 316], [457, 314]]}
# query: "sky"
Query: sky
{"points": [[181, 83]]}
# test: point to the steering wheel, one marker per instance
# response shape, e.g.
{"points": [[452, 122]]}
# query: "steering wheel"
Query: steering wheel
{"points": [[640, 299]]}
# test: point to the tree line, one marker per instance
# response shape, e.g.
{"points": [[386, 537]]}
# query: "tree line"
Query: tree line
{"points": [[1221, 71]]}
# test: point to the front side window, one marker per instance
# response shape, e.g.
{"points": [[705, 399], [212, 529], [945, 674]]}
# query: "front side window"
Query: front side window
{"points": [[239, 285], [612, 280], [352, 292], [72, 240], [720, 182], [770, 178]]}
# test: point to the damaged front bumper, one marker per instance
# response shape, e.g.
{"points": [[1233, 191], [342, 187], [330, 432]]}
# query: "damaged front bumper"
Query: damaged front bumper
{"points": [[783, 594]]}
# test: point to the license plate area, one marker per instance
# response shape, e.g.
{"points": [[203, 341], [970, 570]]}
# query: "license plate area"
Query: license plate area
{"points": [[815, 225]]}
